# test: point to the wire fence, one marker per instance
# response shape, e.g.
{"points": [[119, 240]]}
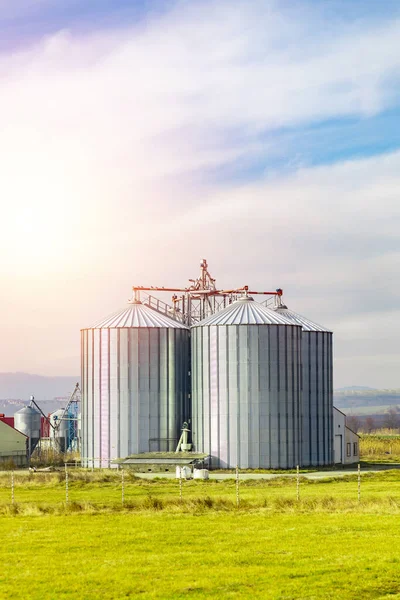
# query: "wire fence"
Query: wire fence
{"points": [[112, 488]]}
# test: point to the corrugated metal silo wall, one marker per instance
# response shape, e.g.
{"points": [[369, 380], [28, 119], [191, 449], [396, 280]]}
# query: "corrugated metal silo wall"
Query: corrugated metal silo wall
{"points": [[246, 395], [28, 422], [135, 390], [317, 408]]}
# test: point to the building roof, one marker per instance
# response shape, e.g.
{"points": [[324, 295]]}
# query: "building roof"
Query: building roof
{"points": [[135, 315], [11, 427], [297, 319], [246, 312]]}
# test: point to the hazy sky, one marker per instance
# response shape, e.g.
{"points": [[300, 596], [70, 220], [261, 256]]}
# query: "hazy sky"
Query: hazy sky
{"points": [[139, 137]]}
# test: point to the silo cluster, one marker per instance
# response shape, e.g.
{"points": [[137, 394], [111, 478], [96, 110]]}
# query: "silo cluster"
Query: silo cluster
{"points": [[255, 385]]}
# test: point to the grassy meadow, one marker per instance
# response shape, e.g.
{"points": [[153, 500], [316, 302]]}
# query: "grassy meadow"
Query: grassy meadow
{"points": [[325, 545], [167, 541]]}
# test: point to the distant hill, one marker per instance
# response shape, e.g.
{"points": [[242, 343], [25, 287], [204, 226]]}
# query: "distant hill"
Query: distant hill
{"points": [[355, 388], [366, 401], [20, 386], [10, 407]]}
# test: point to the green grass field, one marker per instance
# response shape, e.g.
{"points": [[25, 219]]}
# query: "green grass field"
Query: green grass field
{"points": [[327, 545], [205, 555]]}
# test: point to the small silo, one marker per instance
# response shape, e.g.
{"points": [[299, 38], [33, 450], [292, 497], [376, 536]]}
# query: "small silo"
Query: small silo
{"points": [[59, 430], [246, 362], [135, 384], [317, 396], [27, 421]]}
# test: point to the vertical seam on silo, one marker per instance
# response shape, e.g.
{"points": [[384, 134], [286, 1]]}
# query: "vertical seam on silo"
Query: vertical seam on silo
{"points": [[294, 405], [228, 411], [118, 429], [100, 398], [85, 403], [158, 383], [139, 391], [278, 361], [259, 399], [178, 387], [148, 388], [238, 396], [286, 396], [331, 433], [209, 389], [175, 398], [218, 398], [317, 398], [297, 395], [299, 391], [330, 407], [323, 394], [109, 399], [248, 407], [82, 383], [201, 380], [269, 395], [130, 394], [300, 386], [200, 407], [191, 383], [310, 430], [92, 407], [83, 377], [168, 386]]}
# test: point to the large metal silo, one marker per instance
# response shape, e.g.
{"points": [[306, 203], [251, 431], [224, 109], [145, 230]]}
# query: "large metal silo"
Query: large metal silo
{"points": [[135, 384], [246, 387], [317, 396], [27, 420]]}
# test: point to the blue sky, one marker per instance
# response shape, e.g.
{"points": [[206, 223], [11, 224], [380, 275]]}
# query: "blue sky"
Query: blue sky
{"points": [[316, 142], [139, 137]]}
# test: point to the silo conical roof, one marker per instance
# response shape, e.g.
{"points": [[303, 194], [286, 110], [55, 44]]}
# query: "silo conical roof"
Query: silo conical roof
{"points": [[297, 319], [27, 410], [137, 314], [245, 311]]}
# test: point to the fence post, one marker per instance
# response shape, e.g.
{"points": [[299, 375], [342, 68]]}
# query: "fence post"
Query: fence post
{"points": [[298, 483], [123, 486], [12, 487], [237, 487], [359, 483], [66, 484]]}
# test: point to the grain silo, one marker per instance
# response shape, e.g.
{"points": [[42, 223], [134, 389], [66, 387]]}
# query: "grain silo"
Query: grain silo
{"points": [[246, 362], [59, 430], [27, 420], [317, 396], [135, 367]]}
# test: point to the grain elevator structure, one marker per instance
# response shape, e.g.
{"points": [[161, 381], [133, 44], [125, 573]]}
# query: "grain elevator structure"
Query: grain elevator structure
{"points": [[251, 381]]}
